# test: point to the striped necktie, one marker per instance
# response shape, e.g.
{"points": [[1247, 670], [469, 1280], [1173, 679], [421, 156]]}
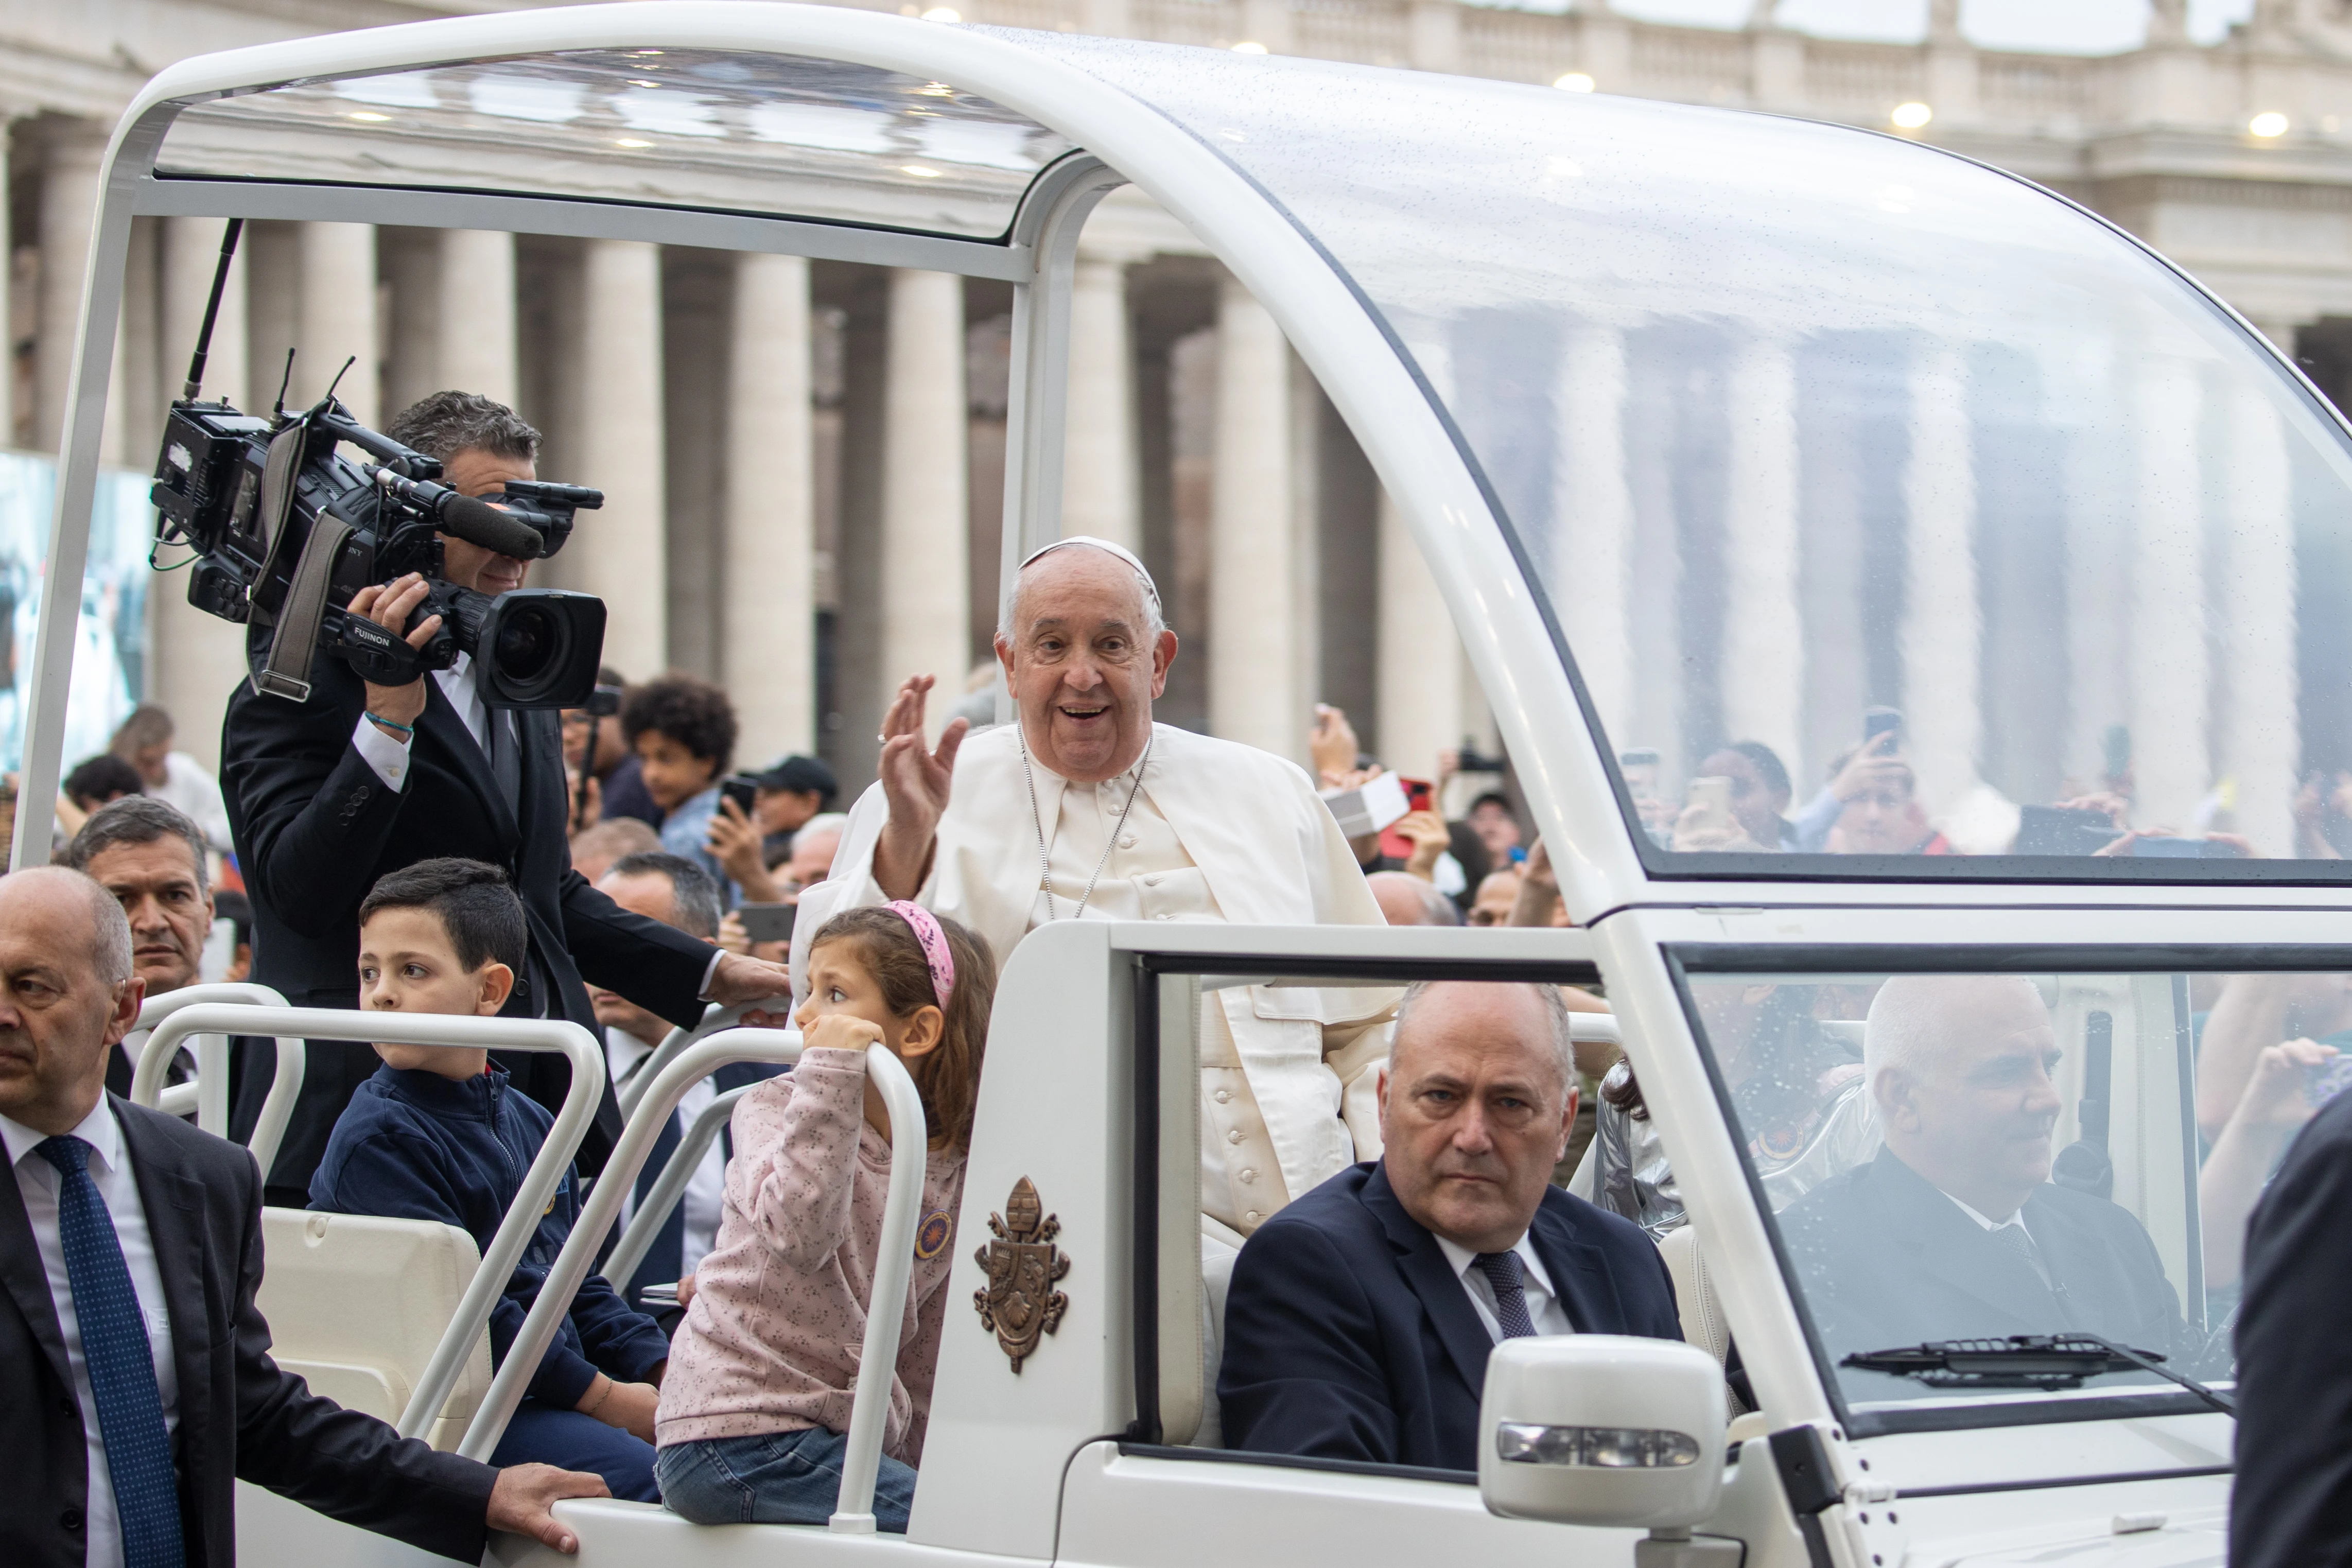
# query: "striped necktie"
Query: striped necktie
{"points": [[1503, 1271]]}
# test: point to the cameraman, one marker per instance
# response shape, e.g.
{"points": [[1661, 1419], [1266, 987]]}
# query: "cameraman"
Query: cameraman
{"points": [[327, 795]]}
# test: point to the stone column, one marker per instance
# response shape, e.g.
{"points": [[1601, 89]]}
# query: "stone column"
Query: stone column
{"points": [[2261, 731], [1942, 622], [191, 255], [1592, 512], [2167, 656], [1435, 35], [1100, 483], [1763, 633], [1253, 630], [196, 660], [1419, 656], [134, 399], [926, 540], [71, 157], [620, 548], [476, 319], [338, 319], [767, 625]]}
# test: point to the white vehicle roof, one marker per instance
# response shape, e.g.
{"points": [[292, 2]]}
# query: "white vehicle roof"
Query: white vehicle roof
{"points": [[1710, 426]]}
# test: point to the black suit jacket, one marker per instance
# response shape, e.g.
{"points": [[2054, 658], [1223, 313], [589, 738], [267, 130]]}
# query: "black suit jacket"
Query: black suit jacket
{"points": [[315, 827], [1887, 1261], [1348, 1335], [240, 1416], [2293, 1495]]}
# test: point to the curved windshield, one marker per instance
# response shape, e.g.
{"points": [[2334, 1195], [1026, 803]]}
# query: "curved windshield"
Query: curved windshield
{"points": [[1953, 1160], [1892, 510]]}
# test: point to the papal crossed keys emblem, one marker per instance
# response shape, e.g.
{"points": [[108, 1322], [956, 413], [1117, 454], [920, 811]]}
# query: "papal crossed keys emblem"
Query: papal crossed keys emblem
{"points": [[1021, 1304]]}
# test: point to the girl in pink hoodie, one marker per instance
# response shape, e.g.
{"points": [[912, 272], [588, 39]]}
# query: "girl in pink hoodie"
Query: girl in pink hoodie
{"points": [[756, 1401]]}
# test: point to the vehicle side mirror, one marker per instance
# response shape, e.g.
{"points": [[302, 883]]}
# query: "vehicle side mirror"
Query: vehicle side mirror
{"points": [[1603, 1429]]}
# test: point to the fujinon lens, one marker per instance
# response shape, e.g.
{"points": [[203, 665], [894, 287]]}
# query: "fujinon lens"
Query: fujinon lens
{"points": [[540, 647]]}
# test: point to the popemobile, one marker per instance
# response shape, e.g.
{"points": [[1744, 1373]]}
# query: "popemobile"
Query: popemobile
{"points": [[1707, 424]]}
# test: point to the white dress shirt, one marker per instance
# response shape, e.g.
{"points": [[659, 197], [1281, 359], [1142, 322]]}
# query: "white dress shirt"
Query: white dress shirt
{"points": [[1544, 1310], [388, 754], [1983, 1222], [109, 1170], [706, 1190]]}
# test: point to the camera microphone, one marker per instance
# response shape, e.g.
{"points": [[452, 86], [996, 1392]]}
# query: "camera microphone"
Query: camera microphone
{"points": [[475, 521]]}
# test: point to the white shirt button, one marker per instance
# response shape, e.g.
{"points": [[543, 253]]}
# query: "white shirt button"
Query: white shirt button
{"points": [[1224, 1094], [1152, 880], [1126, 841], [1234, 1136], [1164, 915], [1249, 1175], [1251, 1216]]}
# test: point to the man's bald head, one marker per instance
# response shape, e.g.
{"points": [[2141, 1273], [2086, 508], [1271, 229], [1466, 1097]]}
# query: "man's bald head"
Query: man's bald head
{"points": [[1959, 1068], [67, 994], [1407, 901], [1476, 1105], [75, 911]]}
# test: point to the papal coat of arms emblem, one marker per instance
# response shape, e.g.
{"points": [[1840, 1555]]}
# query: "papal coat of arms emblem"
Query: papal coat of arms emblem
{"points": [[1021, 1305]]}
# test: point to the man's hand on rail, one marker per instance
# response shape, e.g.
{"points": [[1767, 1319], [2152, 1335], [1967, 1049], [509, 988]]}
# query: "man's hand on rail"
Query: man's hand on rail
{"points": [[739, 979], [523, 1494]]}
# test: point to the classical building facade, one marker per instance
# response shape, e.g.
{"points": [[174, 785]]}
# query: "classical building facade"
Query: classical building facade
{"points": [[804, 460]]}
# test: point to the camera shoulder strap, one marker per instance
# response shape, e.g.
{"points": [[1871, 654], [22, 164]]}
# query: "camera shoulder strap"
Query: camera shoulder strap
{"points": [[286, 671]]}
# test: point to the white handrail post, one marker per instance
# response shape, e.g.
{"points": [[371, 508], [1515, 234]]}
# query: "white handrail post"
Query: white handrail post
{"points": [[579, 1255], [538, 1183], [886, 1313], [669, 1188], [714, 1019], [212, 1050]]}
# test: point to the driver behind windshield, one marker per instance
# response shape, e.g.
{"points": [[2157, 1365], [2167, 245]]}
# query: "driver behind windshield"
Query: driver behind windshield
{"points": [[1955, 1230]]}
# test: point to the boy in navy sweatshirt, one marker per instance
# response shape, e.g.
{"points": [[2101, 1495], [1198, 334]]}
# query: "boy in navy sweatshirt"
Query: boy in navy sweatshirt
{"points": [[438, 1134]]}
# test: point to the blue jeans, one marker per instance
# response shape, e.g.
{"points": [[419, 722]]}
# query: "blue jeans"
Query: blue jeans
{"points": [[541, 1434], [777, 1478]]}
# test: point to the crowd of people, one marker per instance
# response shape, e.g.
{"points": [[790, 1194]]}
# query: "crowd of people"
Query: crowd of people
{"points": [[1385, 1176]]}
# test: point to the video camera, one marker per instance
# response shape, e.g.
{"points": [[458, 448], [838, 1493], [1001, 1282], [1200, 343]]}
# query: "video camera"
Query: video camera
{"points": [[285, 530]]}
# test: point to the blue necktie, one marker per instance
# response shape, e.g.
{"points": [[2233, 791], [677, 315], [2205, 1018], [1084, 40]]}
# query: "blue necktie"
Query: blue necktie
{"points": [[1502, 1271], [122, 1368]]}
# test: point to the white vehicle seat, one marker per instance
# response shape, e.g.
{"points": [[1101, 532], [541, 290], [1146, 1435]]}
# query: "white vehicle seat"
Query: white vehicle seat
{"points": [[1694, 1297], [356, 1305], [1216, 1279]]}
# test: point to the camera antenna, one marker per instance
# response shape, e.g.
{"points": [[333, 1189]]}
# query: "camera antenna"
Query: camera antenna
{"points": [[338, 379], [279, 409], [212, 310]]}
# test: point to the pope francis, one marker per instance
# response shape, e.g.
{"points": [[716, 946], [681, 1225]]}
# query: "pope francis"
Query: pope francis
{"points": [[1084, 809]]}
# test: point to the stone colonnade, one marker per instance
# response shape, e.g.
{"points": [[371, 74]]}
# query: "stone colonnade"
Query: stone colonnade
{"points": [[802, 462]]}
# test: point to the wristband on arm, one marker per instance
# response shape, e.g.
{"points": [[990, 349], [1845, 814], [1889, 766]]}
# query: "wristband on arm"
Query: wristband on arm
{"points": [[406, 730]]}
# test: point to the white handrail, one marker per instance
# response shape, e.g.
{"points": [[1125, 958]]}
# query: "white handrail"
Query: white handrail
{"points": [[538, 1183], [644, 1225], [715, 1018], [595, 1219], [211, 1086], [894, 1269]]}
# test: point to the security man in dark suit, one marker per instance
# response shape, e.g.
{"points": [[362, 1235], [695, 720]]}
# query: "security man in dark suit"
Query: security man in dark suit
{"points": [[1359, 1318], [2292, 1497], [134, 1365], [327, 795], [1954, 1231]]}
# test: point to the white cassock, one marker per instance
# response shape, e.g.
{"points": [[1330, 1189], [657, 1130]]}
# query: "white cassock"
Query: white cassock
{"points": [[1218, 832]]}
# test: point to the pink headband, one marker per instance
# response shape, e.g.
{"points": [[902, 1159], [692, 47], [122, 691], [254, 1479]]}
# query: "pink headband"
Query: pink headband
{"points": [[934, 944]]}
